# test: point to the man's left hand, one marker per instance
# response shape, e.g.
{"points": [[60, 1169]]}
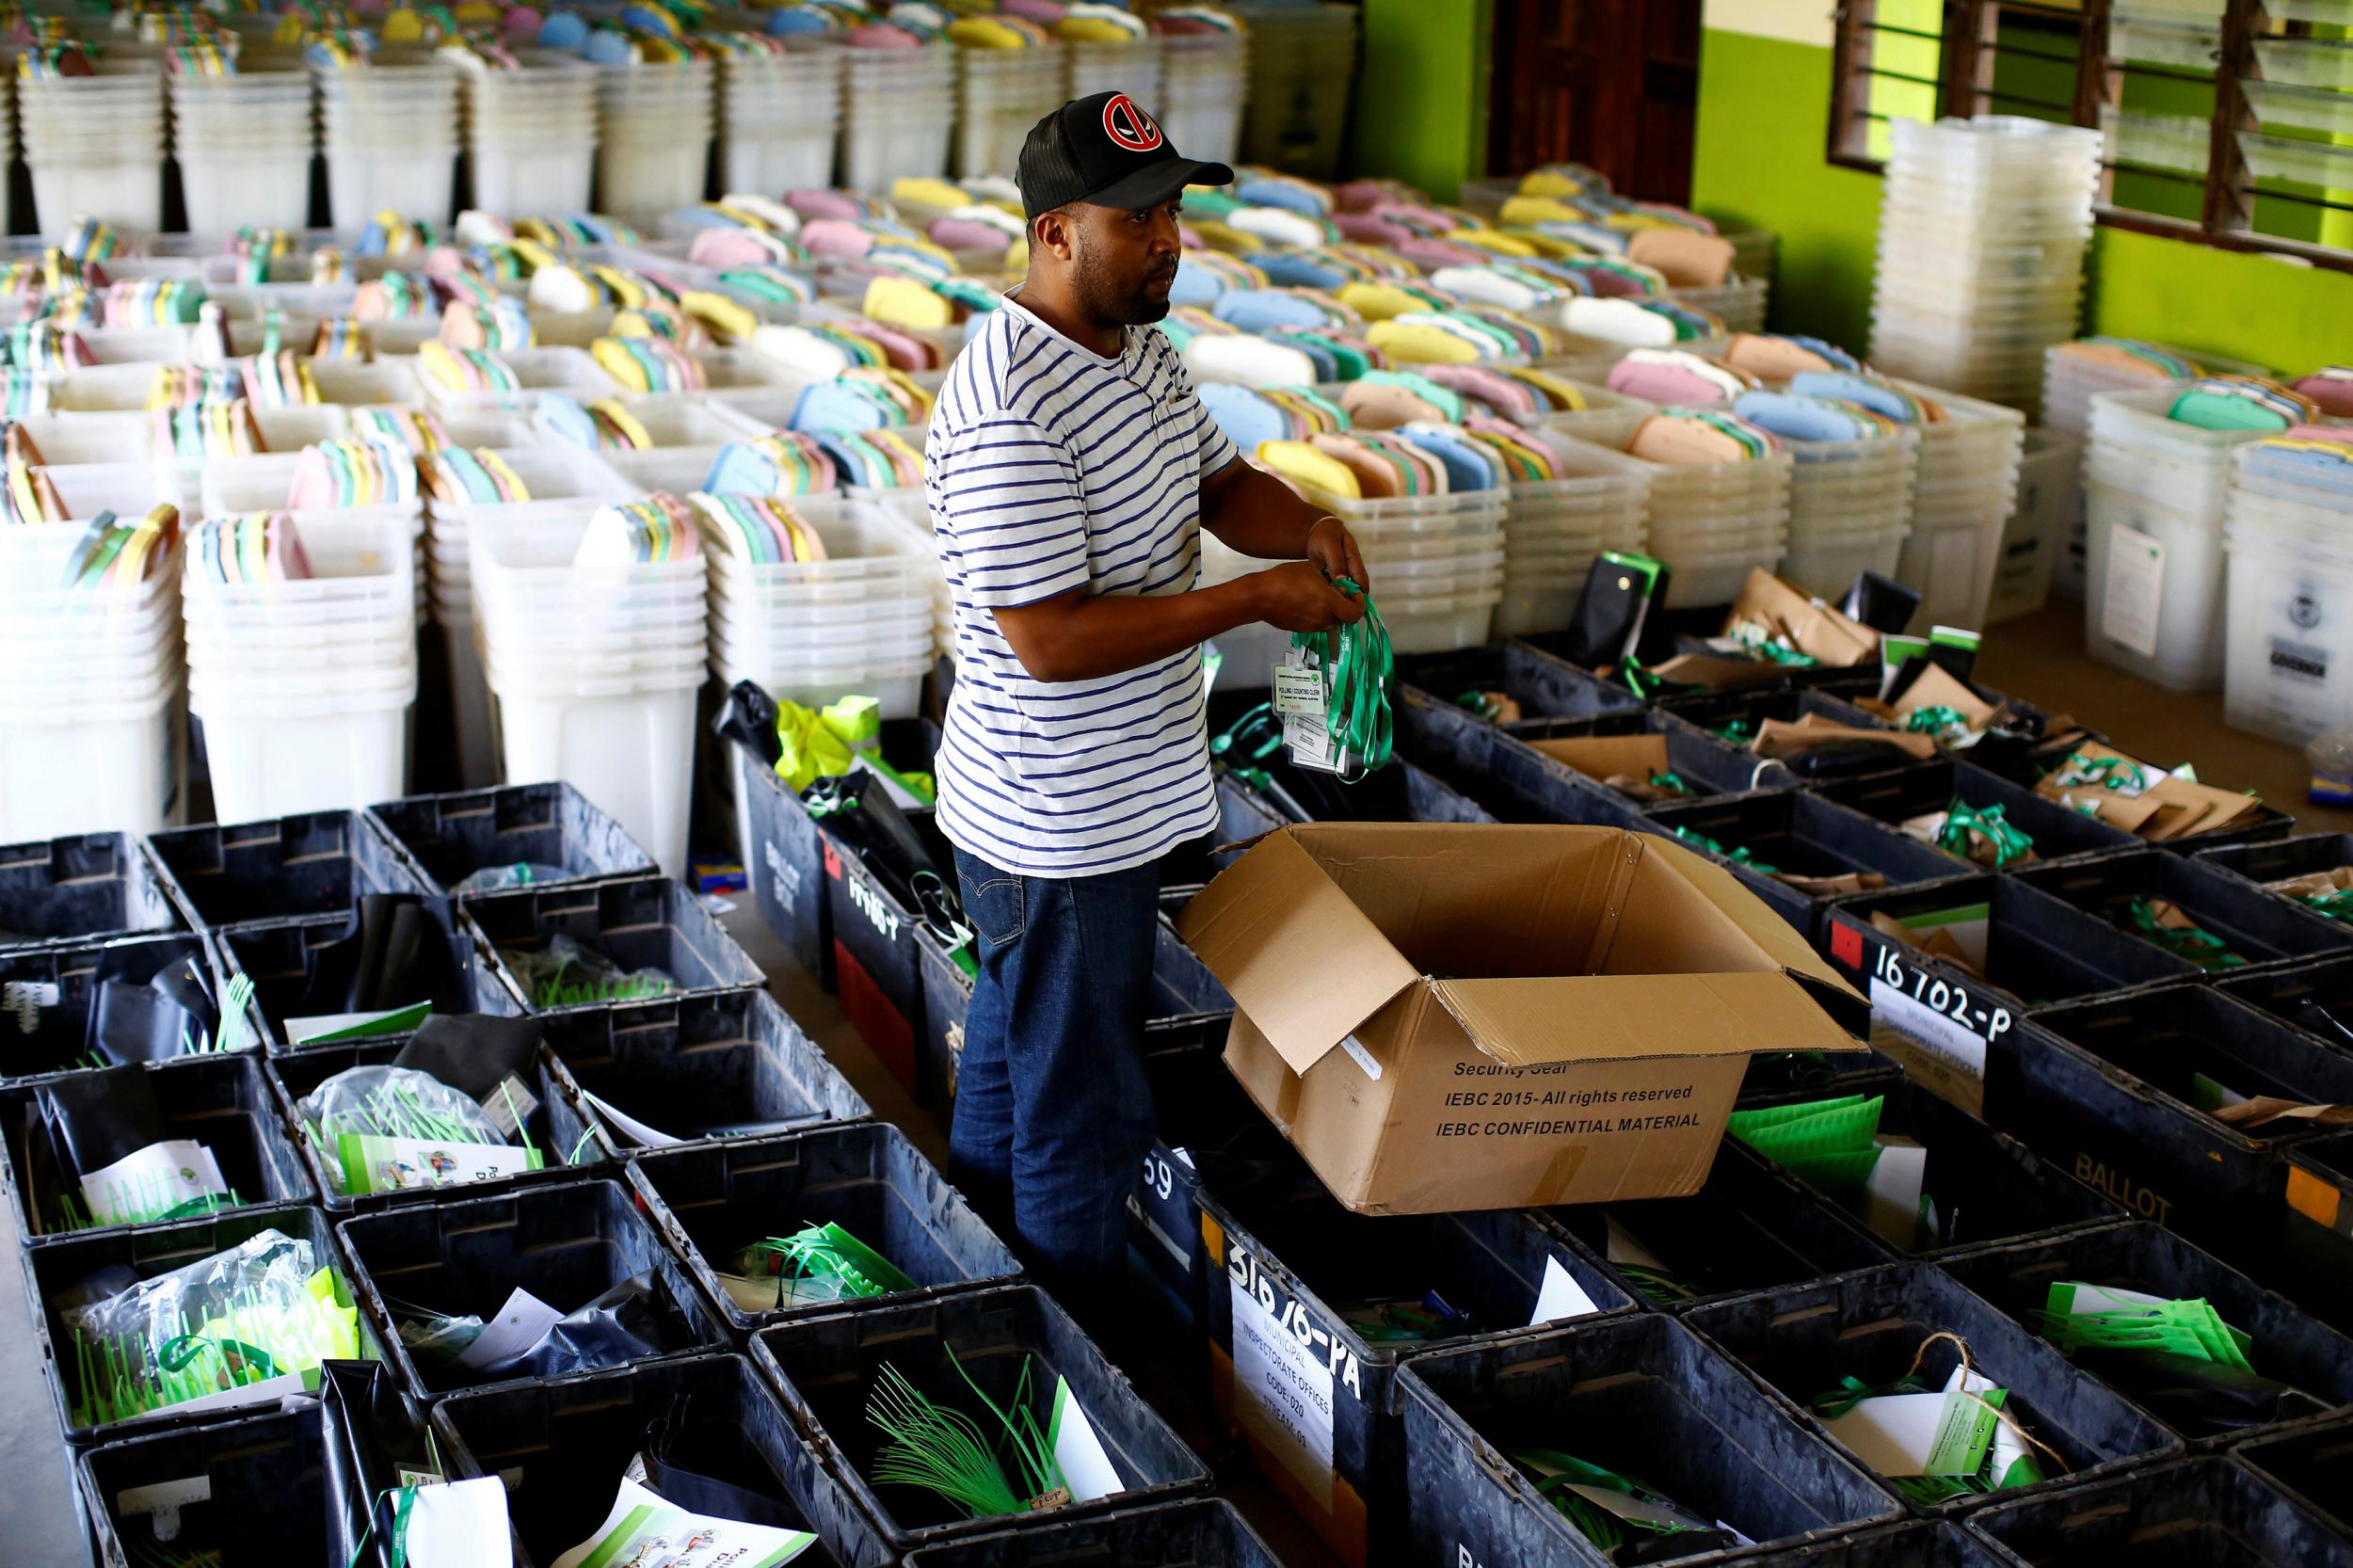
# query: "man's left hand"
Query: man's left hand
{"points": [[1331, 546]]}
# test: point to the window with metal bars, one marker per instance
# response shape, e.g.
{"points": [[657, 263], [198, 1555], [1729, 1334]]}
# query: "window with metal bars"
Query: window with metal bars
{"points": [[2227, 121]]}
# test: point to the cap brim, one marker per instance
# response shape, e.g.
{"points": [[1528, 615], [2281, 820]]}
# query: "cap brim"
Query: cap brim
{"points": [[1157, 183]]}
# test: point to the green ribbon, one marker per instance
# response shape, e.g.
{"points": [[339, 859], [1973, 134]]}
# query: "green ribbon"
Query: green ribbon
{"points": [[1605, 1529], [1936, 720], [1739, 731], [1481, 703], [1962, 821], [1671, 782], [2197, 944], [2336, 903], [2077, 773], [1738, 854]]}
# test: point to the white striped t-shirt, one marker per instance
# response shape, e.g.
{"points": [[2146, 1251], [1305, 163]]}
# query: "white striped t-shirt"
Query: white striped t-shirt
{"points": [[1051, 469]]}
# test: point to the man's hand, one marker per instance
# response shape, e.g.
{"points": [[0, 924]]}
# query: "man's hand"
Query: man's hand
{"points": [[1296, 598], [1331, 545]]}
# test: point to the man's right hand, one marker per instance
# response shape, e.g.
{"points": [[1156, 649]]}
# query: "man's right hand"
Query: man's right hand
{"points": [[1296, 597]]}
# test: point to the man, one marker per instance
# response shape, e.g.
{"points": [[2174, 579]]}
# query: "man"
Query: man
{"points": [[1071, 468]]}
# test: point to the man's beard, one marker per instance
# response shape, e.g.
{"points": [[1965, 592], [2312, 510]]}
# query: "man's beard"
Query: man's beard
{"points": [[1116, 305]]}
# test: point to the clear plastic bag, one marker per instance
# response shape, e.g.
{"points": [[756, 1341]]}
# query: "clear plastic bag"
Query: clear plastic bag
{"points": [[499, 879], [387, 1129], [263, 1312], [567, 973]]}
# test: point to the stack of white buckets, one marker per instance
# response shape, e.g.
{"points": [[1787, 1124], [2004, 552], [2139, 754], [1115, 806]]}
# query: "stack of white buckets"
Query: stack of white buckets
{"points": [[779, 115], [1850, 508], [1968, 484], [90, 690], [243, 141], [653, 131], [1001, 94], [1132, 67], [595, 671], [899, 110], [304, 686], [1983, 225], [95, 146], [531, 134], [2155, 493], [858, 622], [1204, 81], [2288, 668], [1557, 528], [389, 132]]}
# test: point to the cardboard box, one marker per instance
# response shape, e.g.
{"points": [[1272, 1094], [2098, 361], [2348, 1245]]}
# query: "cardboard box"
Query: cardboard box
{"points": [[1456, 1017]]}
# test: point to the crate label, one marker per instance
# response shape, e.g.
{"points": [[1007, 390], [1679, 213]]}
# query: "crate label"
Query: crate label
{"points": [[162, 1502], [869, 900], [25, 1000], [1937, 1029], [2134, 590], [788, 877], [2317, 1201], [1156, 1203], [1284, 1377]]}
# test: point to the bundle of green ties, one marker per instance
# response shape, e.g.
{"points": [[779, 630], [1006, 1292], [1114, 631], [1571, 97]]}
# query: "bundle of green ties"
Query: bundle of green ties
{"points": [[1627, 1519], [2161, 921]]}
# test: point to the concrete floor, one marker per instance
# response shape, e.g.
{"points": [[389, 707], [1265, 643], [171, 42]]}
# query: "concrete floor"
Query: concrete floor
{"points": [[2040, 658]]}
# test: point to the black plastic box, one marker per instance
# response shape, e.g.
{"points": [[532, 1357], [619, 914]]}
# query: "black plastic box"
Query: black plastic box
{"points": [[2205, 1512], [1733, 717], [278, 958], [2109, 1089], [2315, 1229], [711, 1201], [567, 1244], [1641, 1395], [1802, 835], [446, 839], [1288, 1253], [2289, 1345], [2255, 926], [314, 863], [553, 1127], [877, 968], [1181, 983], [1922, 1543], [1204, 1535], [80, 888], [49, 992], [1895, 798], [825, 1368], [2313, 1464], [721, 1064], [2281, 859], [1805, 1340], [220, 1101], [1403, 792], [564, 1443], [644, 922], [1207, 1134], [1545, 685], [149, 1250]]}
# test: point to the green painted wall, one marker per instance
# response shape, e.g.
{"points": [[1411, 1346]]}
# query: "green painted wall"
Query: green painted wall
{"points": [[1421, 95], [1764, 122]]}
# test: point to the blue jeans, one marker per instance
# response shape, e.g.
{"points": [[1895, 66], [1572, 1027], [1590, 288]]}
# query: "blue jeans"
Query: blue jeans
{"points": [[1054, 1113]]}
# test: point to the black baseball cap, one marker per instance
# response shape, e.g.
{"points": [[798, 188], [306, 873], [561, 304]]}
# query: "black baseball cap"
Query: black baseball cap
{"points": [[1105, 149]]}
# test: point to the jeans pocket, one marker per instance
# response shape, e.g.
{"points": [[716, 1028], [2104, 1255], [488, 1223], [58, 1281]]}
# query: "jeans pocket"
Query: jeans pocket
{"points": [[998, 909]]}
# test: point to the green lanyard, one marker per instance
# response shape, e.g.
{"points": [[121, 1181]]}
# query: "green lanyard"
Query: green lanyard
{"points": [[1962, 821], [1358, 667]]}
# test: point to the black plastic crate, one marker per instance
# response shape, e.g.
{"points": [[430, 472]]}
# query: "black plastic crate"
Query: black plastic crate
{"points": [[1733, 717], [1640, 1395], [2196, 1514], [947, 998], [1802, 835], [2255, 926], [1243, 817], [47, 995], [1181, 983], [1805, 1341], [448, 838], [1783, 1074], [1309, 1391], [1940, 1020], [1403, 792], [1922, 1543], [312, 863], [2111, 1089], [711, 1201], [281, 958], [1987, 1187], [2315, 997], [2313, 1464], [2314, 1235], [261, 1488], [825, 1368], [80, 888], [1705, 764], [1544, 685], [1204, 1535], [1748, 1227], [220, 1101], [566, 1243], [563, 1444], [877, 967], [148, 1251], [2290, 1346], [723, 1065], [2262, 863], [1897, 797], [1206, 1134], [644, 922], [554, 1126]]}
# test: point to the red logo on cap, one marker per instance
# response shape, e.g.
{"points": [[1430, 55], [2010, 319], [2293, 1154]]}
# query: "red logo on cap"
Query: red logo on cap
{"points": [[1129, 126]]}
